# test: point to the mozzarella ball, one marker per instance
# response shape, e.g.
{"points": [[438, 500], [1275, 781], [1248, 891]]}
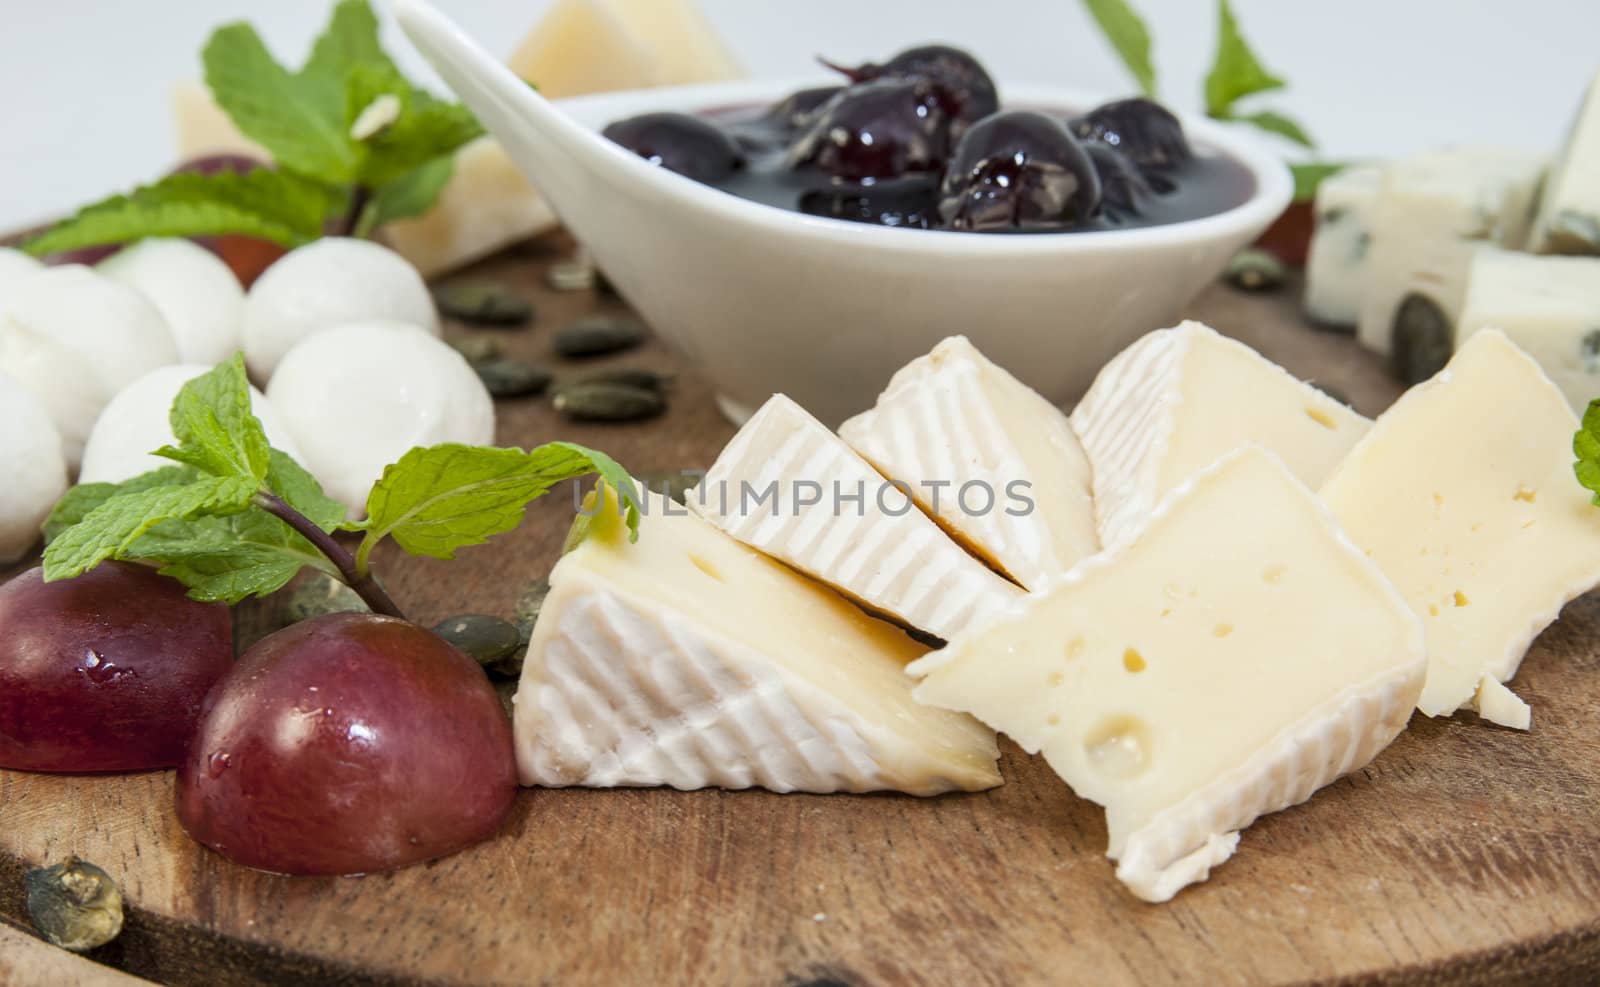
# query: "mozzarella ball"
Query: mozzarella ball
{"points": [[36, 472], [75, 338], [138, 421], [358, 397], [13, 265], [194, 290], [332, 282]]}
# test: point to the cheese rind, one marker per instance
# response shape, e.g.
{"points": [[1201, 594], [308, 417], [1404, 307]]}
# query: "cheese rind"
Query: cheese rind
{"points": [[1236, 656], [1336, 267], [1177, 400], [687, 659], [1463, 494], [1569, 210], [833, 516], [952, 421]]}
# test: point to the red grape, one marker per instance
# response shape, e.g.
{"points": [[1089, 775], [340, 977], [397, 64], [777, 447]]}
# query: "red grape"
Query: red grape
{"points": [[105, 672], [345, 744]]}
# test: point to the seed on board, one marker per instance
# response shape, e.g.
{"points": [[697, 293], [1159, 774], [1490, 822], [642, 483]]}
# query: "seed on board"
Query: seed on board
{"points": [[638, 377], [570, 275], [505, 378], [1423, 339], [598, 335], [484, 303], [676, 484], [480, 637], [76, 904], [608, 403], [1255, 270], [477, 349]]}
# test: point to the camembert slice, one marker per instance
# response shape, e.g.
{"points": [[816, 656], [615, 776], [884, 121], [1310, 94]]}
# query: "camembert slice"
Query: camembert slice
{"points": [[791, 488], [1179, 399], [690, 660], [1463, 494], [1238, 655], [986, 456]]}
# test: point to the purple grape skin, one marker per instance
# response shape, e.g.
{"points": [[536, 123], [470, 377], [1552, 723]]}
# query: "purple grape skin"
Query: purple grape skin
{"points": [[691, 146], [1144, 131], [880, 129], [1018, 170], [969, 92]]}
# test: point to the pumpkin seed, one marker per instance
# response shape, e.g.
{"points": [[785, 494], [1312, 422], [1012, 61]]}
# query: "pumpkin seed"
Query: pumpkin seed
{"points": [[484, 303], [608, 403], [570, 275], [676, 484], [76, 904], [599, 335], [646, 380], [512, 378], [1255, 270], [477, 349], [482, 638], [1422, 339]]}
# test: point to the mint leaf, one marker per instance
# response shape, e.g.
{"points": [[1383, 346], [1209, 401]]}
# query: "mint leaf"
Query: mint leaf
{"points": [[441, 498], [217, 431], [350, 39], [424, 129], [1235, 71], [1277, 123], [1309, 175], [77, 502], [1586, 446], [276, 206], [110, 530], [301, 491], [1129, 37], [413, 193], [230, 558]]}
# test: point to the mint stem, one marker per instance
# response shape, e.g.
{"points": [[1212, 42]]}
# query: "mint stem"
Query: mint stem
{"points": [[364, 584], [352, 224]]}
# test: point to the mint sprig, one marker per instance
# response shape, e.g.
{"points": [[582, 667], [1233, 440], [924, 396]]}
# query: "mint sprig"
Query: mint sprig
{"points": [[1129, 37], [1586, 446]]}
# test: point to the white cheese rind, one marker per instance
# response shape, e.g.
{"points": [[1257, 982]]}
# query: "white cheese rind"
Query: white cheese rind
{"points": [[1336, 267], [689, 660], [1569, 209], [1177, 400], [953, 418], [861, 536], [1463, 494], [1548, 306], [1236, 656]]}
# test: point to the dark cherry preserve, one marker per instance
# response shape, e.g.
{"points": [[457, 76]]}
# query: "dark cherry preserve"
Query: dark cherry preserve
{"points": [[923, 141]]}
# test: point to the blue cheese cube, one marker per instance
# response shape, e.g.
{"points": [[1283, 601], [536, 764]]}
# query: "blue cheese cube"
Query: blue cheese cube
{"points": [[1337, 265], [1548, 306], [1569, 213]]}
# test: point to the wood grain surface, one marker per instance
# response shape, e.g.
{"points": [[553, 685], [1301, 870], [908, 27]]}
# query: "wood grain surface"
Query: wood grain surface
{"points": [[1464, 854]]}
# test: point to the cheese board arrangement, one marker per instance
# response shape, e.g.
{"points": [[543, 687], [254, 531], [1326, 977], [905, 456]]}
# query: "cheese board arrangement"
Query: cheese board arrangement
{"points": [[403, 588]]}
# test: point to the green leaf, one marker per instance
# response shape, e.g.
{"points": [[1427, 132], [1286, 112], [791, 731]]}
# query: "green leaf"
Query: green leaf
{"points": [[76, 504], [350, 39], [441, 498], [1130, 38], [411, 194], [1235, 71], [273, 205], [1310, 175], [108, 531], [424, 129], [291, 116], [301, 491], [1277, 123], [1586, 446], [230, 558], [217, 431]]}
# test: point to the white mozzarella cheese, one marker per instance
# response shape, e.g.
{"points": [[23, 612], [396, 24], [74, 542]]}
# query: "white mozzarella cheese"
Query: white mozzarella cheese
{"points": [[1179, 399], [986, 456], [791, 488], [1463, 494], [1236, 656], [1569, 209], [690, 660], [1336, 267]]}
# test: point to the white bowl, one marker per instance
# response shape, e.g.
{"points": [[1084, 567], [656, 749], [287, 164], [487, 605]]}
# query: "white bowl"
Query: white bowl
{"points": [[764, 300]]}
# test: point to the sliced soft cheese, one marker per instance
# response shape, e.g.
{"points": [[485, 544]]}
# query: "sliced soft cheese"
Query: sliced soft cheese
{"points": [[985, 455], [1569, 209], [1548, 306], [791, 488], [690, 660], [1432, 210], [1336, 267], [1463, 494], [1179, 399], [587, 46], [1238, 655]]}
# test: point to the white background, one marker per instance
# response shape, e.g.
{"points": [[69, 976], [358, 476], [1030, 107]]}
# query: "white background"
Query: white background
{"points": [[83, 107]]}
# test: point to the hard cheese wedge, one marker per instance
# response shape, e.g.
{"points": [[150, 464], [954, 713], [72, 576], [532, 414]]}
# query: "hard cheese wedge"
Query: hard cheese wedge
{"points": [[791, 488], [1569, 209], [1179, 399], [1238, 655], [586, 46], [687, 659], [1463, 494], [965, 435], [1336, 268]]}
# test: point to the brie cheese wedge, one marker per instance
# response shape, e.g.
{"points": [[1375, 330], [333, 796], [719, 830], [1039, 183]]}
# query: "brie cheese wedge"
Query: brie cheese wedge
{"points": [[1463, 494], [1234, 657], [988, 458], [690, 660]]}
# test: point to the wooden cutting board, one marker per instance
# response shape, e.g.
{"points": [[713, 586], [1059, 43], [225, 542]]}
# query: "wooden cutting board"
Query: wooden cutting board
{"points": [[1464, 854]]}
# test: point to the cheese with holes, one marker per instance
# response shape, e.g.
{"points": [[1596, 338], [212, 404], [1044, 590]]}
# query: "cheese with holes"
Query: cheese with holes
{"points": [[1548, 306], [1179, 399], [789, 487], [986, 456], [1336, 267], [1432, 210], [690, 660], [1238, 655], [588, 46], [1463, 494], [1569, 208]]}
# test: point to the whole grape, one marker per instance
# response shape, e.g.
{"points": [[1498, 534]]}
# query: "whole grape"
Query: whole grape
{"points": [[1123, 189], [1143, 130], [1018, 170], [691, 146], [968, 91], [880, 129]]}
